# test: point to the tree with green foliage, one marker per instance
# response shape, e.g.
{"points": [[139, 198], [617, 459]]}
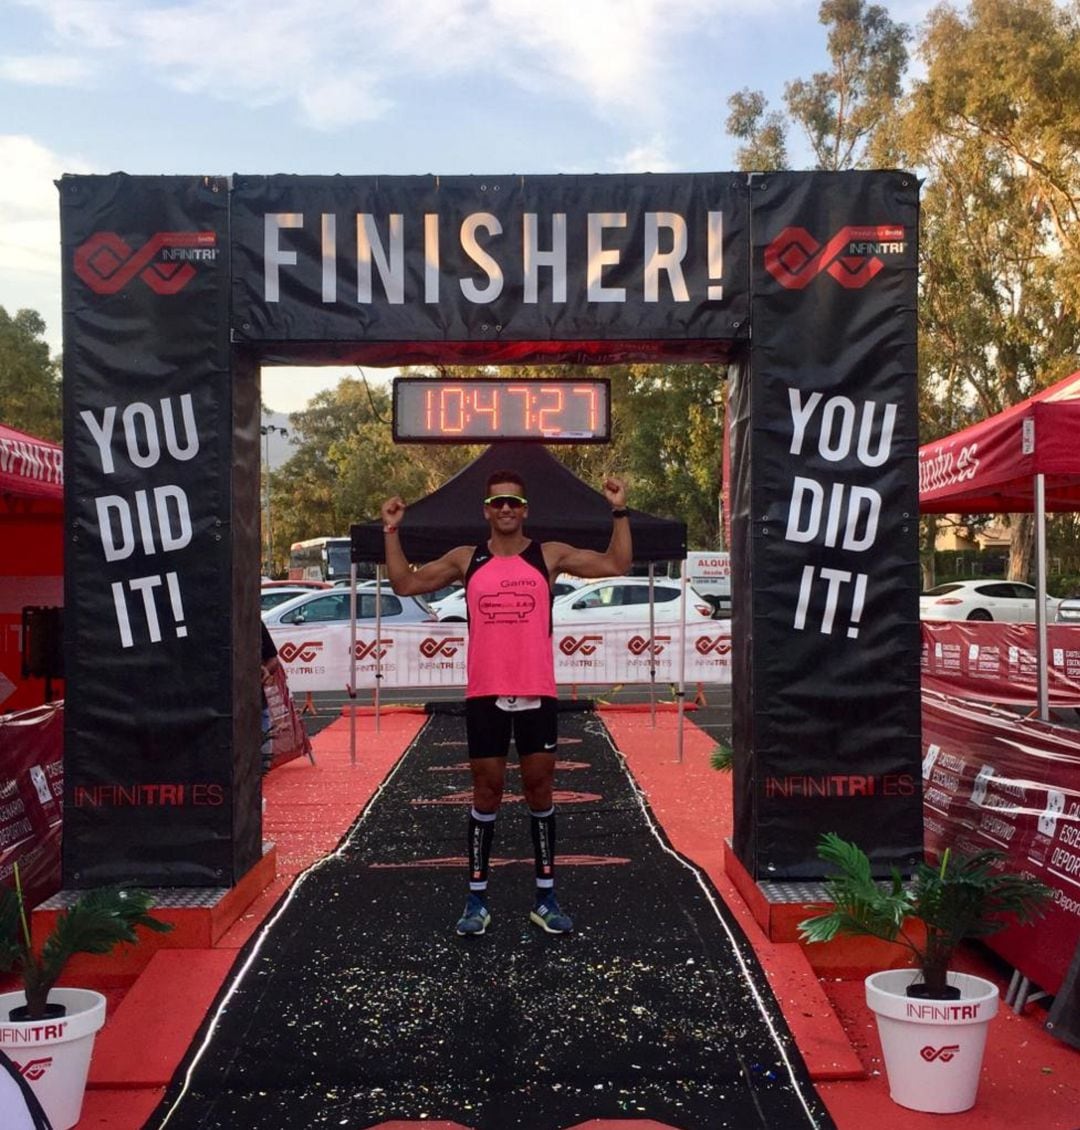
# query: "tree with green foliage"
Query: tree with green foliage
{"points": [[995, 126], [838, 110], [29, 378], [667, 425]]}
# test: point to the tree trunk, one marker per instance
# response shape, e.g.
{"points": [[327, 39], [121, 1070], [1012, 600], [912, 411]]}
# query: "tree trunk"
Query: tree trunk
{"points": [[1021, 546], [926, 553]]}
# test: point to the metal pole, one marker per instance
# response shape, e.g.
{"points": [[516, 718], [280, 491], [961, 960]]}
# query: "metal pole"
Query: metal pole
{"points": [[352, 662], [269, 536], [378, 642], [681, 694], [652, 645], [1040, 599]]}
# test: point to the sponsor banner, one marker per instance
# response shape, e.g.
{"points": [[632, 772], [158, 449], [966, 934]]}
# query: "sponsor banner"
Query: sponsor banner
{"points": [[288, 737], [829, 523], [31, 798], [316, 656], [490, 259], [30, 467], [148, 445], [993, 780], [997, 662]]}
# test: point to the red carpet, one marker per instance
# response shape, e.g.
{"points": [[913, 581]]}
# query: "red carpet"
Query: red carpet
{"points": [[1029, 1079]]}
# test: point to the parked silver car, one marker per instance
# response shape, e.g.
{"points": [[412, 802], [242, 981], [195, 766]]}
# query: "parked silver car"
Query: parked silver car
{"points": [[332, 606]]}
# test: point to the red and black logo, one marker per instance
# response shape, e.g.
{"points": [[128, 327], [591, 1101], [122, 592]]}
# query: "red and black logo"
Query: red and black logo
{"points": [[706, 644], [367, 649], [165, 262], [586, 645], [638, 645], [33, 1069], [449, 646], [305, 651], [945, 1053], [851, 257]]}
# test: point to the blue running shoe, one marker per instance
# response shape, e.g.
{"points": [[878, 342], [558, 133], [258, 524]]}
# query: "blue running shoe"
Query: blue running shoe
{"points": [[549, 917], [476, 917]]}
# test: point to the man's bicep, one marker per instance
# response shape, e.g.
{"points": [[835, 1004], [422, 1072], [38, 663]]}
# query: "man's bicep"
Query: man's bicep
{"points": [[436, 574], [580, 562]]}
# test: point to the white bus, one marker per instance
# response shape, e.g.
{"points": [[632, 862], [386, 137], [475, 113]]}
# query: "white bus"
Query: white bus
{"points": [[323, 559]]}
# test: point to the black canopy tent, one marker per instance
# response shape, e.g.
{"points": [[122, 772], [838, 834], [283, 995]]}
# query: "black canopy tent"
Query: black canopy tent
{"points": [[561, 508]]}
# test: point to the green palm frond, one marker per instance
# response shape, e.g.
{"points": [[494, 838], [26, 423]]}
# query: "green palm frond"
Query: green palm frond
{"points": [[96, 922], [960, 897], [722, 758]]}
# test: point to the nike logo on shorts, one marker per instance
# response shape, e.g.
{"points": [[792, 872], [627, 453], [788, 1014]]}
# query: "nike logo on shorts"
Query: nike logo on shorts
{"points": [[550, 745]]}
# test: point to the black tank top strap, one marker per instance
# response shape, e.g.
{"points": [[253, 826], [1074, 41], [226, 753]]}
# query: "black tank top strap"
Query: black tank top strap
{"points": [[533, 553], [479, 555]]}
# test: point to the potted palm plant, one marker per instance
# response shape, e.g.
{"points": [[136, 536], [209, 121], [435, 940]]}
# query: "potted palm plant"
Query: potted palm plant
{"points": [[932, 1021], [48, 1032]]}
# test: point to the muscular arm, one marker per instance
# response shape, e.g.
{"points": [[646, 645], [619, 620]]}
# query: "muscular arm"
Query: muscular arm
{"points": [[613, 562], [405, 580]]}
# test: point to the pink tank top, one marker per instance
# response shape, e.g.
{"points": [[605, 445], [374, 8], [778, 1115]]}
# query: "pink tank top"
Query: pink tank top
{"points": [[509, 603]]}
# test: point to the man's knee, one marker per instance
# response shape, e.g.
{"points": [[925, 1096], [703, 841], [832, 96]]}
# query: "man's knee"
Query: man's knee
{"points": [[488, 775]]}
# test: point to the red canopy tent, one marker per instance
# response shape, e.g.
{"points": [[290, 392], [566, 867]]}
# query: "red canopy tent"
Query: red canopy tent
{"points": [[991, 467], [1026, 458], [32, 561]]}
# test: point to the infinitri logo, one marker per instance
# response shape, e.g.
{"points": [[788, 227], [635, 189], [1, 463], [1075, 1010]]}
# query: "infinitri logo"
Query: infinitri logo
{"points": [[852, 257], [165, 262]]}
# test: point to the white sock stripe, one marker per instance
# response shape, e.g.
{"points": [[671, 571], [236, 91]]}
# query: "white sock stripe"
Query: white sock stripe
{"points": [[542, 815], [545, 884], [483, 817]]}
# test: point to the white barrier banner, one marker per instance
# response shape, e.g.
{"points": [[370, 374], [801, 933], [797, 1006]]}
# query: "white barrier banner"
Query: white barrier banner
{"points": [[316, 656]]}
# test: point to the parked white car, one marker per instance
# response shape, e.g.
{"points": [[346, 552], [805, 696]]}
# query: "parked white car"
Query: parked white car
{"points": [[626, 599], [1068, 610], [1009, 601]]}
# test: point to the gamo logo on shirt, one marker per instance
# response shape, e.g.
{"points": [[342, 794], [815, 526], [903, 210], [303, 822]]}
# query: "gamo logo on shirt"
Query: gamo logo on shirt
{"points": [[506, 605]]}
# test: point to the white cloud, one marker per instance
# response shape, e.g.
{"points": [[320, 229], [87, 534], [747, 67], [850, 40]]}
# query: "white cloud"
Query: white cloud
{"points": [[338, 62], [29, 204], [646, 157], [45, 70]]}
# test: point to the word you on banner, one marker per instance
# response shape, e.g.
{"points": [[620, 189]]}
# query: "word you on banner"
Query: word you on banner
{"points": [[317, 656]]}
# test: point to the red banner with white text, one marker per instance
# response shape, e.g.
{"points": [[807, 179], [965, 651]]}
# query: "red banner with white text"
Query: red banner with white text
{"points": [[993, 780], [31, 794], [997, 662]]}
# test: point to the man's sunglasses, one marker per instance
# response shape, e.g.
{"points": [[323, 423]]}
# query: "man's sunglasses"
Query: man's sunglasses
{"points": [[498, 501]]}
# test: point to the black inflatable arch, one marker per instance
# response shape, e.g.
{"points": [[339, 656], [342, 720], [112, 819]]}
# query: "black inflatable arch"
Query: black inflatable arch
{"points": [[176, 290]]}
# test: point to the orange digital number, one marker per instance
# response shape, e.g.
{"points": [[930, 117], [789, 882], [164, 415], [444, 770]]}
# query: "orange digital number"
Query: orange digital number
{"points": [[448, 399], [526, 414], [490, 409], [594, 404], [550, 417]]}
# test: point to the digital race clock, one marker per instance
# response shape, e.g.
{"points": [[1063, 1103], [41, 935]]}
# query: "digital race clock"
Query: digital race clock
{"points": [[485, 409]]}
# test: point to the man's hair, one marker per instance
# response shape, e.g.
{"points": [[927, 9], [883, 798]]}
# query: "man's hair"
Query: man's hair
{"points": [[505, 477]]}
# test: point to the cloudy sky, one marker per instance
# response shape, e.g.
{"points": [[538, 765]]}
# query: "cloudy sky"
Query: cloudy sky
{"points": [[368, 87]]}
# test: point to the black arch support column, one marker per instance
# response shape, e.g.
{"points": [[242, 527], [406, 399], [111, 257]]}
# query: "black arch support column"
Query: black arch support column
{"points": [[824, 467], [161, 741]]}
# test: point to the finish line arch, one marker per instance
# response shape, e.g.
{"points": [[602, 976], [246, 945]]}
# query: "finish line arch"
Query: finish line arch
{"points": [[176, 290]]}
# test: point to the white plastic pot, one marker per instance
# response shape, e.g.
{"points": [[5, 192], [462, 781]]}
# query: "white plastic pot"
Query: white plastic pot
{"points": [[53, 1056], [933, 1050]]}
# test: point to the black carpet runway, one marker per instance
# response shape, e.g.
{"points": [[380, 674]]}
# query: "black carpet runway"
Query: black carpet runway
{"points": [[359, 1004]]}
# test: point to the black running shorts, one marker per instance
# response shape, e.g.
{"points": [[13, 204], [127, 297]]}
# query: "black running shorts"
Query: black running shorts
{"points": [[489, 729]]}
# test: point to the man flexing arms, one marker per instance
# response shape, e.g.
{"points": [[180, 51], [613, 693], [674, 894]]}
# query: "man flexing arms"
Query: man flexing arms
{"points": [[510, 687]]}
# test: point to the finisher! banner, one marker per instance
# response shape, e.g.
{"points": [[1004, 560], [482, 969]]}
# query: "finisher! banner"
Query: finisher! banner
{"points": [[316, 656], [490, 259]]}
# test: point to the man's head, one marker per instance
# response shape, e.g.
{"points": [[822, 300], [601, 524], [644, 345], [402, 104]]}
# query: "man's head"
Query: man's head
{"points": [[505, 505]]}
